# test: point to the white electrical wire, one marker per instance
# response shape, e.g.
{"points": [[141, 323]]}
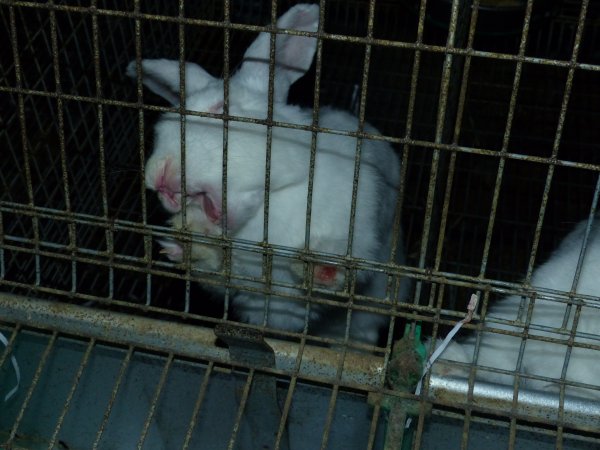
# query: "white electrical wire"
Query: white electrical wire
{"points": [[436, 354], [15, 365]]}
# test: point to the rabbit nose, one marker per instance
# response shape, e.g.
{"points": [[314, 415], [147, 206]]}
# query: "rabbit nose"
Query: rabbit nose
{"points": [[167, 184], [170, 200]]}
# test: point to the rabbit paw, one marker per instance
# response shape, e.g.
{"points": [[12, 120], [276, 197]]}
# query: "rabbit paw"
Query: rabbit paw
{"points": [[203, 257], [171, 250]]}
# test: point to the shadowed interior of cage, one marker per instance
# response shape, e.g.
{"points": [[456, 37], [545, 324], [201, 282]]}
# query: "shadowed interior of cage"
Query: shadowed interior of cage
{"points": [[106, 158], [97, 147]]}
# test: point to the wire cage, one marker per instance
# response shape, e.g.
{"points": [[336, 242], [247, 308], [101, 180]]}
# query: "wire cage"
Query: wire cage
{"points": [[492, 108]]}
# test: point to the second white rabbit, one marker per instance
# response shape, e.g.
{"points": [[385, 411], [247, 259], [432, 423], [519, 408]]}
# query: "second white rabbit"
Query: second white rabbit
{"points": [[543, 358]]}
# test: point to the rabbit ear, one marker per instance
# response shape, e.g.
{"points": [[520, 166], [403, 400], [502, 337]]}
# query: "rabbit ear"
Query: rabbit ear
{"points": [[161, 76], [293, 54]]}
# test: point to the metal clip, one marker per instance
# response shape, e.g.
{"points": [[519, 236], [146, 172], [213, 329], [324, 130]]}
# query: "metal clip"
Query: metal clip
{"points": [[262, 414]]}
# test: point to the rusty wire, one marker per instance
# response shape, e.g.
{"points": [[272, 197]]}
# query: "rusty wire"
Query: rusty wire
{"points": [[444, 148]]}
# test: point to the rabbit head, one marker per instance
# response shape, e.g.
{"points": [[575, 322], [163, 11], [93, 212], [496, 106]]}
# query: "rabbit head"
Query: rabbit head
{"points": [[200, 183]]}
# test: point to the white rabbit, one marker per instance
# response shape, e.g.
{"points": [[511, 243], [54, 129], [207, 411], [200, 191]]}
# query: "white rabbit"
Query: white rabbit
{"points": [[289, 177], [544, 358]]}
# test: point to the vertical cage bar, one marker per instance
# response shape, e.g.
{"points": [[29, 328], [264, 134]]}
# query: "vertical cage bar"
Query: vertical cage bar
{"points": [[290, 394], [24, 139], [182, 124], [557, 138], [141, 144], [439, 160], [505, 140], [33, 385], [270, 100], [240, 411], [155, 399], [61, 142], [198, 405], [336, 385], [74, 385], [101, 131], [517, 379], [122, 371], [411, 104], [457, 126], [424, 392], [373, 428], [573, 327], [267, 256], [361, 125], [227, 254], [308, 269], [285, 413], [330, 413]]}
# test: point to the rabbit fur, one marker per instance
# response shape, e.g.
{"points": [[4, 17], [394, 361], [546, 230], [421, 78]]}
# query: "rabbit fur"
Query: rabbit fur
{"points": [[289, 178], [541, 358]]}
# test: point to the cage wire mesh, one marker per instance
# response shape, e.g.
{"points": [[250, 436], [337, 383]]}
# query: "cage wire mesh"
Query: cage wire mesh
{"points": [[492, 107]]}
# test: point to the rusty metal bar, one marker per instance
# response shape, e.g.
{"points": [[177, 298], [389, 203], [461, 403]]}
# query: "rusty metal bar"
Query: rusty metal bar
{"points": [[296, 362], [326, 36], [440, 277], [373, 430], [155, 398], [343, 355], [402, 141], [23, 130], [226, 77], [198, 405], [34, 382], [268, 155], [457, 130], [113, 396], [316, 363], [498, 400], [438, 159], [308, 269], [557, 137], [66, 194], [361, 124], [187, 248], [411, 103], [74, 385], [449, 118], [79, 320], [505, 140], [290, 394], [141, 141], [101, 149], [330, 413], [240, 411], [262, 412], [500, 423]]}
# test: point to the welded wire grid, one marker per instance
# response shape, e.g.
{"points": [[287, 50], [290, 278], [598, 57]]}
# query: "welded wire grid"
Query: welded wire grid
{"points": [[495, 124], [212, 377]]}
